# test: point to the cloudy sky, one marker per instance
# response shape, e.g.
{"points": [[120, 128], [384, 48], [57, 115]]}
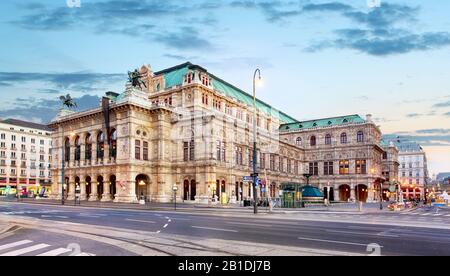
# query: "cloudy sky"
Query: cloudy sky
{"points": [[318, 58]]}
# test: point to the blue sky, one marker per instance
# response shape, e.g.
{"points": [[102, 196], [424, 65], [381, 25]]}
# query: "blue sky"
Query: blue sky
{"points": [[318, 58]]}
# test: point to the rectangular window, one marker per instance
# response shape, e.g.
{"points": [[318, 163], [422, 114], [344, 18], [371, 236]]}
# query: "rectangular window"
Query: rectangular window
{"points": [[13, 146], [3, 154], [192, 150], [23, 156], [3, 136], [328, 168], [239, 156], [13, 155], [23, 147], [23, 172], [361, 167], [24, 139], [41, 158], [13, 137], [289, 166], [13, 171], [3, 145], [41, 173], [314, 168], [33, 141], [344, 167], [272, 162], [262, 160], [296, 167], [145, 151], [137, 149], [42, 142], [185, 151], [280, 164]]}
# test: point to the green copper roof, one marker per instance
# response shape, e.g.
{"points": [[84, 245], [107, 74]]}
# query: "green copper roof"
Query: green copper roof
{"points": [[335, 121], [174, 76]]}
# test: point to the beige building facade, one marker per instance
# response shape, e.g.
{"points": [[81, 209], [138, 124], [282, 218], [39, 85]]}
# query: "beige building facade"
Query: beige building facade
{"points": [[191, 130]]}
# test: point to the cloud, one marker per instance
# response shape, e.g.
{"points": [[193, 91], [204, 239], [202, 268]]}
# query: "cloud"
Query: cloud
{"points": [[414, 115], [433, 131], [81, 81], [142, 19], [377, 33], [186, 38], [180, 57], [426, 140], [275, 11], [447, 114], [44, 110], [444, 104]]}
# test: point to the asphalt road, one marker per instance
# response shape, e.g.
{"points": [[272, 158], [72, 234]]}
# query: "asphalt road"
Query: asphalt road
{"points": [[343, 232]]}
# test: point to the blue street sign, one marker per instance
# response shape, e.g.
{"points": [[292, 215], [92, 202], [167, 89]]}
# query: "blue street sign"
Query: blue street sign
{"points": [[247, 179]]}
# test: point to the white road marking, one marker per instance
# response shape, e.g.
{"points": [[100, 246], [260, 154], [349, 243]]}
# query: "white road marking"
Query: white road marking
{"points": [[349, 232], [214, 229], [185, 219], [46, 216], [14, 244], [56, 252], [157, 232], [250, 224], [426, 214], [165, 226], [143, 221], [26, 250], [447, 215], [330, 241]]}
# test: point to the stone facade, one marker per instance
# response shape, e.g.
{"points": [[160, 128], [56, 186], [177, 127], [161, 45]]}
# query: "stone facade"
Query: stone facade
{"points": [[342, 153], [189, 135], [192, 130]]}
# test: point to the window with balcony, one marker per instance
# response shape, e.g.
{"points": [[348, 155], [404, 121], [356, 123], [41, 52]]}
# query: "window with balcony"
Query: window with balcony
{"points": [[344, 167], [361, 167], [137, 149], [88, 147], [360, 137], [328, 139], [221, 149], [314, 168], [272, 162], [67, 149], [328, 168], [113, 143], [313, 141], [344, 138], [13, 171], [239, 160], [100, 145], [145, 151], [3, 145], [77, 148]]}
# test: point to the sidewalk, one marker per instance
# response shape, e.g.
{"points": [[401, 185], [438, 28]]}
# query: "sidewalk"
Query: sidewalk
{"points": [[334, 208]]}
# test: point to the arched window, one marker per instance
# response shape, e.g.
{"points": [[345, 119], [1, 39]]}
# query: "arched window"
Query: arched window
{"points": [[77, 148], [360, 137], [113, 146], [328, 139], [67, 149], [298, 142], [100, 145], [88, 147], [313, 141], [344, 138]]}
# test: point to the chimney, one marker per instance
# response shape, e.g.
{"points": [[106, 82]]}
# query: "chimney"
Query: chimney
{"points": [[369, 118]]}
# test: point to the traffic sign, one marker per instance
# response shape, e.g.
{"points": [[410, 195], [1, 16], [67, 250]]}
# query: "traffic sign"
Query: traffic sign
{"points": [[247, 179]]}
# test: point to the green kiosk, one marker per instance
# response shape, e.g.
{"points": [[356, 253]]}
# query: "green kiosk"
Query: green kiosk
{"points": [[295, 195]]}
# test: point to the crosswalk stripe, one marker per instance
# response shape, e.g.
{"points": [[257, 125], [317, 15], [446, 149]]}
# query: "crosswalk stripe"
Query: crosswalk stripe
{"points": [[56, 252], [447, 215], [26, 250], [426, 214], [14, 244]]}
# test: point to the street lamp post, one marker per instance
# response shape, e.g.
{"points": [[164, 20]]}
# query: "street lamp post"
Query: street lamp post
{"points": [[255, 176], [175, 189], [381, 195]]}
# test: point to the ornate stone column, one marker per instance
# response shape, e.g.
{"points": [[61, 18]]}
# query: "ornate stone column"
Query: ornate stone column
{"points": [[94, 193], [83, 189], [106, 197], [71, 193]]}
